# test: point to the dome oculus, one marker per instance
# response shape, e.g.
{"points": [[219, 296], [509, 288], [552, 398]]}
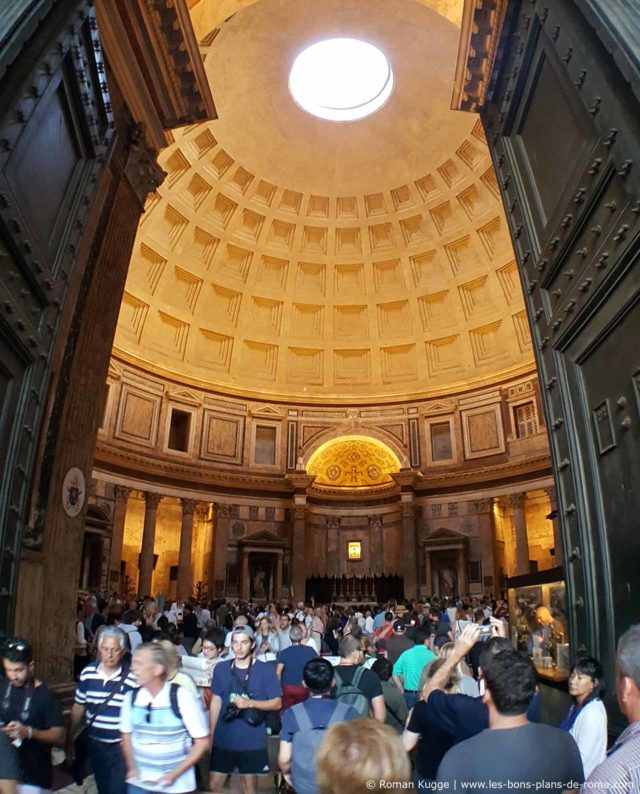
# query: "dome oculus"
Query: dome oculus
{"points": [[341, 79]]}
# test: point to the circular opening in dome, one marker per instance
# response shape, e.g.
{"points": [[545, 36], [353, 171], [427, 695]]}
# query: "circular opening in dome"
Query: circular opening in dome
{"points": [[341, 79]]}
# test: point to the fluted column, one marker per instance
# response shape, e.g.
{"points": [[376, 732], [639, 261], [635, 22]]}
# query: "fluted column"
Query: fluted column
{"points": [[298, 573], [277, 595], [121, 495], [558, 541], [245, 585], [428, 578], [152, 501], [220, 546], [462, 573], [185, 569], [522, 541], [409, 546], [487, 538], [298, 562]]}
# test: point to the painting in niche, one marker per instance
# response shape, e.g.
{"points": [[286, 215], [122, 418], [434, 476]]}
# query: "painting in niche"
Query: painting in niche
{"points": [[354, 550]]}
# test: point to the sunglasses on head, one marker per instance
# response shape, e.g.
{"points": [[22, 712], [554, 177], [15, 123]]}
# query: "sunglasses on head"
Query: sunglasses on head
{"points": [[16, 645]]}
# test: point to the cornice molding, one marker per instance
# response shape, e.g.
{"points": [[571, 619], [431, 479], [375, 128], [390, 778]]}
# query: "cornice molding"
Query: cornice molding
{"points": [[154, 58], [482, 23], [139, 467]]}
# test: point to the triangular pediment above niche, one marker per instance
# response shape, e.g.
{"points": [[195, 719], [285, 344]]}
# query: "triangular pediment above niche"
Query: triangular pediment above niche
{"points": [[262, 536], [184, 396], [267, 410], [445, 534], [115, 370], [439, 407]]}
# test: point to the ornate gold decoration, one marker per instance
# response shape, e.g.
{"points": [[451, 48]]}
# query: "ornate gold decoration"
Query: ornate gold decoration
{"points": [[354, 550], [353, 462]]}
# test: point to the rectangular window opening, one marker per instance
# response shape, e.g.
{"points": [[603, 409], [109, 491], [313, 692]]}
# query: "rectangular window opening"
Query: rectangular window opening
{"points": [[526, 421], [441, 446], [265, 449], [179, 427]]}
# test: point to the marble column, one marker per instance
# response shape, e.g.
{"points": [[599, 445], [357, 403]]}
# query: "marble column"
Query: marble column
{"points": [[244, 574], [520, 527], [185, 568], [300, 481], [462, 573], [486, 533], [220, 546], [558, 541], [278, 586], [121, 495], [409, 546], [298, 561], [428, 578], [148, 542], [376, 545]]}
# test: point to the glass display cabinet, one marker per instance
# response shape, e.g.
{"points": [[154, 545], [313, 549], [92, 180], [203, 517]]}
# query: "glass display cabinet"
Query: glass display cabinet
{"points": [[538, 621]]}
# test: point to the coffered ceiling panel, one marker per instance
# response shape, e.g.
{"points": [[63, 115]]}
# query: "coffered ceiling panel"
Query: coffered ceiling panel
{"points": [[299, 258]]}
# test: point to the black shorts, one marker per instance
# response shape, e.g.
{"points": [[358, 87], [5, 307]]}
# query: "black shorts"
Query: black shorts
{"points": [[9, 765], [246, 762]]}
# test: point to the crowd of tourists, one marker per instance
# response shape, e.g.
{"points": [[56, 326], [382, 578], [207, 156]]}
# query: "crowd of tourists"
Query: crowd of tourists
{"points": [[174, 697]]}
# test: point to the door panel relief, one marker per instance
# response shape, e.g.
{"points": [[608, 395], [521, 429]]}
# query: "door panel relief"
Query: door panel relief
{"points": [[563, 127]]}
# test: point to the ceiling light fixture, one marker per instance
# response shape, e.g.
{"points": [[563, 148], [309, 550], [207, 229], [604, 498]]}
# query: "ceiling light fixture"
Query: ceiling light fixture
{"points": [[341, 79]]}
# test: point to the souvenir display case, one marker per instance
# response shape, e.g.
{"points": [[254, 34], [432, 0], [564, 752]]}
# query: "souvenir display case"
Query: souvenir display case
{"points": [[538, 621]]}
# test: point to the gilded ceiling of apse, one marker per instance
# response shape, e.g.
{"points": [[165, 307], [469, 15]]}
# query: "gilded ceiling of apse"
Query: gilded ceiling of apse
{"points": [[353, 462], [397, 281]]}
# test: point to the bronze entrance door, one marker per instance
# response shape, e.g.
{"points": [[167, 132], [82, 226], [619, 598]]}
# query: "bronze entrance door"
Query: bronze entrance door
{"points": [[562, 119]]}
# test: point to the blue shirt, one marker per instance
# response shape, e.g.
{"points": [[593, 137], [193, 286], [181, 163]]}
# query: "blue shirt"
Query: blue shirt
{"points": [[378, 621], [294, 660], [93, 689], [261, 684]]}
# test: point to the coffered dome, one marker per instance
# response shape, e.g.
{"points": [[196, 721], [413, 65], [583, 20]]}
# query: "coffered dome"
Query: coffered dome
{"points": [[297, 258]]}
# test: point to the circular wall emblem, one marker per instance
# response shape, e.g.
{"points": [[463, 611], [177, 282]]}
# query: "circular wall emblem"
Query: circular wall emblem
{"points": [[333, 472], [74, 491]]}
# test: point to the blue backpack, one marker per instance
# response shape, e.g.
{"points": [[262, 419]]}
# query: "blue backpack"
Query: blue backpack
{"points": [[305, 746]]}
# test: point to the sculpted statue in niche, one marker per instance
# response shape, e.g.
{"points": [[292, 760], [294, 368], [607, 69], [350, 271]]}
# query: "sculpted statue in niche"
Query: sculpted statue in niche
{"points": [[448, 582], [258, 584]]}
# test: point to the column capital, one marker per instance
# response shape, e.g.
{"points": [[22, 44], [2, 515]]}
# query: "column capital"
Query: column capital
{"points": [[188, 506], [483, 505], [551, 493], [517, 500], [121, 492], [152, 500], [408, 509], [299, 512]]}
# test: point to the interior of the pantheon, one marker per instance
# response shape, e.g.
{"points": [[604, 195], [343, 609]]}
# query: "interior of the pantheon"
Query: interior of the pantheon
{"points": [[322, 382]]}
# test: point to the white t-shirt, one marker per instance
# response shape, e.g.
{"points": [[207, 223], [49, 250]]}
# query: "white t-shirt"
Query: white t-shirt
{"points": [[590, 733], [172, 745]]}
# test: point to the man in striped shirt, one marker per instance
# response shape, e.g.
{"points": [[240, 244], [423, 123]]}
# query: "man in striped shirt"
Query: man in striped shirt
{"points": [[164, 729], [99, 697], [620, 771]]}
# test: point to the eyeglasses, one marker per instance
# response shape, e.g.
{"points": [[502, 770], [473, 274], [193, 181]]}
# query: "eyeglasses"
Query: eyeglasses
{"points": [[148, 714]]}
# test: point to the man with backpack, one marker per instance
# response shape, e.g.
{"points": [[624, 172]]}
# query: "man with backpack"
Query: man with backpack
{"points": [[163, 726], [356, 686], [305, 724]]}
